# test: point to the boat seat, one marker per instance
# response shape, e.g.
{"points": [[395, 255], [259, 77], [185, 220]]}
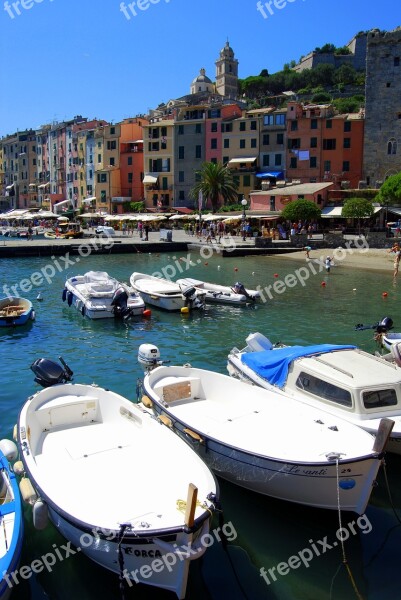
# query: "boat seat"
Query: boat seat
{"points": [[184, 389]]}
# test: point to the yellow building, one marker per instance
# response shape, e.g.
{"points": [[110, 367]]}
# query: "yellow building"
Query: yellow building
{"points": [[240, 151], [158, 152], [107, 166]]}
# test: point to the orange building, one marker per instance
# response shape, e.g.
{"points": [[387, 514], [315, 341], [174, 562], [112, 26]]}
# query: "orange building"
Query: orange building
{"points": [[323, 145], [131, 162]]}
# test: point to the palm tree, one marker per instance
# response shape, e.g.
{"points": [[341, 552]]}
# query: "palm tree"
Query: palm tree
{"points": [[214, 181]]}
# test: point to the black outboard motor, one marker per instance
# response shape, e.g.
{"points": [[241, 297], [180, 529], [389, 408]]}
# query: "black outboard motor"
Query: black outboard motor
{"points": [[384, 325], [48, 372], [120, 304], [239, 288], [191, 298]]}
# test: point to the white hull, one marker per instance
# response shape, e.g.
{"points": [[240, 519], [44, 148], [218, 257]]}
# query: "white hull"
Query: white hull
{"points": [[94, 298], [266, 443], [221, 294], [73, 440], [165, 294]]}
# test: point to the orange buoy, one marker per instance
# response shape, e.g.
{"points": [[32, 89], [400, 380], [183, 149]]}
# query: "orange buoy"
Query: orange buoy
{"points": [[147, 313], [384, 294]]}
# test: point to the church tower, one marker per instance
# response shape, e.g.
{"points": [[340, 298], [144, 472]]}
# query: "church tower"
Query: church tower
{"points": [[227, 73]]}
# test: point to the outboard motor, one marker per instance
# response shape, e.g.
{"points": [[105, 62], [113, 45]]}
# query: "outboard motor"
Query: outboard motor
{"points": [[384, 325], [192, 298], [149, 356], [48, 372], [239, 288], [120, 304]]}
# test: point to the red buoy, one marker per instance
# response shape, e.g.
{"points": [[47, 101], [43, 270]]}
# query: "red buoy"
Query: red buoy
{"points": [[384, 294], [147, 313], [323, 284], [235, 268], [275, 275]]}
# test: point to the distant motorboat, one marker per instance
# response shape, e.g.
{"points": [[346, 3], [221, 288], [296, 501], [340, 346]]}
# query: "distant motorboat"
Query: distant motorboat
{"points": [[167, 294], [117, 484], [15, 311], [237, 295], [99, 296]]}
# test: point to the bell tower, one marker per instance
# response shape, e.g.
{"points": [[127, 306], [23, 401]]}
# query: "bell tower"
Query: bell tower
{"points": [[227, 73]]}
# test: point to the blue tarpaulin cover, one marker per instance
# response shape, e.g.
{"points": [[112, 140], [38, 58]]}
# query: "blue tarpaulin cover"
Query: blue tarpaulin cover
{"points": [[273, 365]]}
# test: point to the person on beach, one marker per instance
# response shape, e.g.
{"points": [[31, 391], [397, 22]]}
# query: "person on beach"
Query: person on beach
{"points": [[397, 256], [307, 250], [327, 263]]}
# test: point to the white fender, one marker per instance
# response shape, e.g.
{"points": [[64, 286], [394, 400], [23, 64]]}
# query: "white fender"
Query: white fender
{"points": [[9, 449], [40, 515]]}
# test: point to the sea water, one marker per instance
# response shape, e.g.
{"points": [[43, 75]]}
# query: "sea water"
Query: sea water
{"points": [[301, 307]]}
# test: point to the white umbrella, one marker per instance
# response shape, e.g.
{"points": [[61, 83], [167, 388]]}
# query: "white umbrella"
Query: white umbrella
{"points": [[211, 217], [176, 217], [62, 219]]}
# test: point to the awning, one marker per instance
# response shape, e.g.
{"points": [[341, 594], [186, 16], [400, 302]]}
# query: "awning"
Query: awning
{"points": [[62, 203], [133, 142], [43, 185], [275, 174], [88, 200], [9, 187], [150, 179], [336, 211], [236, 161]]}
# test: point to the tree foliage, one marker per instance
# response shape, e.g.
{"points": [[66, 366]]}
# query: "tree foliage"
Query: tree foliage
{"points": [[304, 210], [390, 191], [357, 208], [216, 183]]}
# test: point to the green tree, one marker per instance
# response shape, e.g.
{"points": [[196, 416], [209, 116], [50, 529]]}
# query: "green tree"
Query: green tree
{"points": [[304, 210], [216, 183], [357, 208], [346, 74], [390, 191]]}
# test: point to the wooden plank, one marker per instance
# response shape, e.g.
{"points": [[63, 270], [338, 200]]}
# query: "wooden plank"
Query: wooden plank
{"points": [[191, 505], [177, 391], [383, 433]]}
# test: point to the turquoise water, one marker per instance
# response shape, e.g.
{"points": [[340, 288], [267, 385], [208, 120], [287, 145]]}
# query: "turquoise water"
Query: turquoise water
{"points": [[268, 531]]}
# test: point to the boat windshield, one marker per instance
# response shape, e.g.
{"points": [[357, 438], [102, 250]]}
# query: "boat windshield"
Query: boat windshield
{"points": [[323, 389], [379, 398]]}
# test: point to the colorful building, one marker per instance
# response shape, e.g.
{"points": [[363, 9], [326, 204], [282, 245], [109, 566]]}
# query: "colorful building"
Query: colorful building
{"points": [[158, 156]]}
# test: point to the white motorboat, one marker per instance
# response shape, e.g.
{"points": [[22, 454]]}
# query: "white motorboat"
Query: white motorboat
{"points": [[167, 294], [11, 519], [113, 480], [99, 296], [237, 295], [343, 381], [263, 441]]}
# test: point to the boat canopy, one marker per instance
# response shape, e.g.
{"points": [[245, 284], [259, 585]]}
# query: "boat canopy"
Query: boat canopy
{"points": [[273, 365]]}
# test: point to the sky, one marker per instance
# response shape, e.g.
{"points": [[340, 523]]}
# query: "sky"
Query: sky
{"points": [[110, 60]]}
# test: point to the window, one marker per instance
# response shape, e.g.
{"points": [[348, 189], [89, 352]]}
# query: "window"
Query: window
{"points": [[346, 166], [323, 389], [280, 138], [225, 160], [396, 61], [226, 127], [213, 160], [180, 129], [198, 128], [213, 144], [329, 144], [242, 144], [347, 126], [266, 160], [313, 162], [329, 124], [99, 158], [112, 130], [388, 84], [272, 203], [295, 143], [313, 142], [213, 127], [164, 183], [242, 126], [181, 195], [280, 119], [313, 123], [102, 178], [112, 161], [247, 180], [392, 146], [327, 166], [347, 143], [253, 125], [198, 151], [268, 120], [379, 398], [294, 125], [277, 160], [181, 176], [129, 161], [163, 131], [266, 139], [293, 162], [130, 176], [181, 152], [226, 143], [253, 143]]}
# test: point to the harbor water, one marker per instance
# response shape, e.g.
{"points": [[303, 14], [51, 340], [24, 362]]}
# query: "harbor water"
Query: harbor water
{"points": [[312, 306]]}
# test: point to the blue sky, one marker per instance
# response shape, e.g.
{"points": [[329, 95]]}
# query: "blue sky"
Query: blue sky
{"points": [[61, 58]]}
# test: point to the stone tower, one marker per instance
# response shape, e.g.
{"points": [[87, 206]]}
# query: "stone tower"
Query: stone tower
{"points": [[227, 73], [382, 145]]}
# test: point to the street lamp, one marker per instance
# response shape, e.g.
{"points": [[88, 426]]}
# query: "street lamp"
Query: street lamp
{"points": [[244, 203]]}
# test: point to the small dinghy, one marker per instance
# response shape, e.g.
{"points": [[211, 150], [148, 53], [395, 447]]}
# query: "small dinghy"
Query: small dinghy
{"points": [[264, 441], [167, 294], [237, 295], [15, 311], [115, 482]]}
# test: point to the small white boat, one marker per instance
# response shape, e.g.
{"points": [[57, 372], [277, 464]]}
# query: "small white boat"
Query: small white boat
{"points": [[167, 294], [237, 295], [15, 311], [342, 380], [11, 519], [99, 296], [263, 441], [114, 481]]}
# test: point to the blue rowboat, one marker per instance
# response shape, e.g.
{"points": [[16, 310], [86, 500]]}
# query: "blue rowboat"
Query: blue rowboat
{"points": [[15, 311]]}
